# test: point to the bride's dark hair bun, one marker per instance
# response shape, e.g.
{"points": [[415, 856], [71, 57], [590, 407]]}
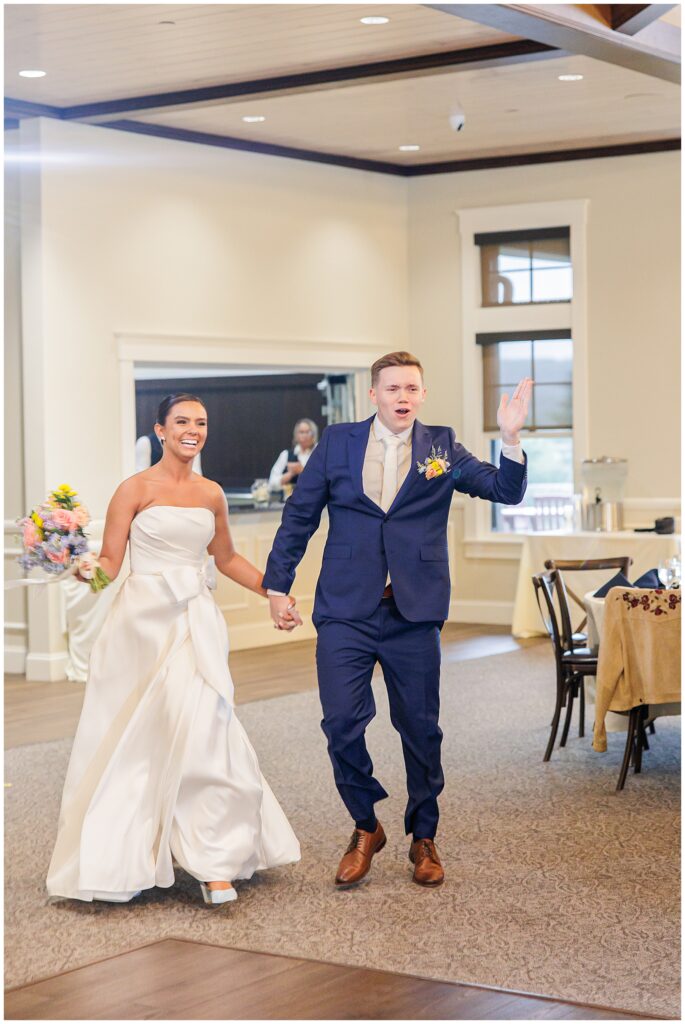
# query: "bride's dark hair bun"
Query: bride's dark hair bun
{"points": [[167, 404]]}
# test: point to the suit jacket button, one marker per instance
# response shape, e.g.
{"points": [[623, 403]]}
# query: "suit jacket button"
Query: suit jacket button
{"points": [[386, 518]]}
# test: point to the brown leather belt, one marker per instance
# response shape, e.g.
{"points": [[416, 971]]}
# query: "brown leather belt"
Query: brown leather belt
{"points": [[388, 591]]}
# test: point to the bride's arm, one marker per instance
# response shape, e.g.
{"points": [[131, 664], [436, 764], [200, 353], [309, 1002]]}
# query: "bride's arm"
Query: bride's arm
{"points": [[227, 559], [120, 512]]}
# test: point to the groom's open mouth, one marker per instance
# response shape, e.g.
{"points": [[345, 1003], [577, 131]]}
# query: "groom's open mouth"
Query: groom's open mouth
{"points": [[402, 413]]}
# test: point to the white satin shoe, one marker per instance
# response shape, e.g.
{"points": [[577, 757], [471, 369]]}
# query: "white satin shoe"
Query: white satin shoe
{"points": [[214, 897]]}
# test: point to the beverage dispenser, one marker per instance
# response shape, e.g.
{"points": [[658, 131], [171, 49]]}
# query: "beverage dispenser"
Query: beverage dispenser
{"points": [[603, 482]]}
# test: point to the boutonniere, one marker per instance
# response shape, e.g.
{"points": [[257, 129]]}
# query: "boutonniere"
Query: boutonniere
{"points": [[434, 464]]}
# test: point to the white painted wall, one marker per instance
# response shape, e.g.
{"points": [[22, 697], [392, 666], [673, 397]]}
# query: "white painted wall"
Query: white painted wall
{"points": [[15, 601]]}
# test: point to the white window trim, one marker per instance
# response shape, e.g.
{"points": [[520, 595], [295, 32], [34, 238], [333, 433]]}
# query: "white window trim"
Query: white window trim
{"points": [[475, 319]]}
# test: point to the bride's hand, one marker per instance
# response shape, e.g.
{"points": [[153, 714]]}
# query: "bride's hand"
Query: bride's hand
{"points": [[283, 612]]}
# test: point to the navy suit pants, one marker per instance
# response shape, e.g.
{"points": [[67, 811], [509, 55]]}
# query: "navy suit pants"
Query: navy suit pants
{"points": [[409, 655]]}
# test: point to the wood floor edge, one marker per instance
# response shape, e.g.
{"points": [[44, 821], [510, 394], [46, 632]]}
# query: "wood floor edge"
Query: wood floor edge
{"points": [[92, 963], [378, 970], [442, 981]]}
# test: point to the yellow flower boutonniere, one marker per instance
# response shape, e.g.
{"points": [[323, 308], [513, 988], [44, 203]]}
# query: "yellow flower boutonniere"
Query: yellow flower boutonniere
{"points": [[434, 464]]}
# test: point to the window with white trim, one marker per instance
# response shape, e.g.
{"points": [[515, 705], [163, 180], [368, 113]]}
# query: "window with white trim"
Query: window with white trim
{"points": [[546, 357], [526, 317]]}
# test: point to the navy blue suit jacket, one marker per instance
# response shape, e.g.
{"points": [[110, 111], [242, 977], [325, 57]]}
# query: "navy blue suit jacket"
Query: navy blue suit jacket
{"points": [[364, 542]]}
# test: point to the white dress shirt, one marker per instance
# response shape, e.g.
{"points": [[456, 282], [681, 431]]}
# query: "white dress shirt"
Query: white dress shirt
{"points": [[280, 466], [374, 459]]}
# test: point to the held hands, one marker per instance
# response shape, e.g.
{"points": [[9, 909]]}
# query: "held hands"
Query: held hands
{"points": [[283, 612], [513, 411]]}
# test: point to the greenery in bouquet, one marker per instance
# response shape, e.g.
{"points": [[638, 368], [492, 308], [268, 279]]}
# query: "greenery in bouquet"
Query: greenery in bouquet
{"points": [[54, 538]]}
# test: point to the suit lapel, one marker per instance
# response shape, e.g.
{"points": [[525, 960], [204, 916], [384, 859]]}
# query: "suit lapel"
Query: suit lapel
{"points": [[356, 450], [420, 447]]}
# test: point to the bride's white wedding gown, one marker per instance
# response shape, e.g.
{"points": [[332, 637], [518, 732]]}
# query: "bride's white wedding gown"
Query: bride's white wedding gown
{"points": [[161, 767]]}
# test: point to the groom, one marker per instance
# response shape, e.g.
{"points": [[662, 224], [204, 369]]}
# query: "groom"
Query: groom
{"points": [[384, 588]]}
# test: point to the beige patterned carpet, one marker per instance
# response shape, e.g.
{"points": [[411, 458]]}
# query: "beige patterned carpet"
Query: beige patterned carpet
{"points": [[556, 884]]}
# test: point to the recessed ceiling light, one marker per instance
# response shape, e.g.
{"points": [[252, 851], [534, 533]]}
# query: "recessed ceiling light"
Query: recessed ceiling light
{"points": [[253, 118], [409, 149], [374, 20], [570, 78], [33, 74]]}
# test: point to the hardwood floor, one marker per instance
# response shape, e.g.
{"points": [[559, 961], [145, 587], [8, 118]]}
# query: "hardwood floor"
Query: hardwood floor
{"points": [[179, 980], [175, 979]]}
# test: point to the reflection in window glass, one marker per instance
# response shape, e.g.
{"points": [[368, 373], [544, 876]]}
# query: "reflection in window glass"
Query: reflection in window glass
{"points": [[526, 271]]}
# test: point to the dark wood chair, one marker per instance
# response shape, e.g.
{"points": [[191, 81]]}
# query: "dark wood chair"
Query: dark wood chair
{"points": [[636, 739], [621, 563], [636, 742], [572, 663]]}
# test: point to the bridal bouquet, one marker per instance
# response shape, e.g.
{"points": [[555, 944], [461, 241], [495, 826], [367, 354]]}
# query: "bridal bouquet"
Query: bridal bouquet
{"points": [[54, 540]]}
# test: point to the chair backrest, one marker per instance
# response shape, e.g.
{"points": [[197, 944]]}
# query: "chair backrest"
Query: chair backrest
{"points": [[544, 584], [621, 563], [565, 624]]}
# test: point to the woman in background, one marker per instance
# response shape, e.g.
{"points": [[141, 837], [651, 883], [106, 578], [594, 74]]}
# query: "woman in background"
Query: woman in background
{"points": [[161, 767], [290, 463]]}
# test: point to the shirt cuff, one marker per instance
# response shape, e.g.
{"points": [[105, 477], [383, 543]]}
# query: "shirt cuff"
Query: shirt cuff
{"points": [[275, 593], [513, 452]]}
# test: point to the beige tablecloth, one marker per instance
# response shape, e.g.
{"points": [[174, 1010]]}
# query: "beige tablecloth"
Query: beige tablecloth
{"points": [[639, 656], [646, 550], [595, 606]]}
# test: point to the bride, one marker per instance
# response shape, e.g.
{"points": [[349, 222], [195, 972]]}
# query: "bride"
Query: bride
{"points": [[161, 768]]}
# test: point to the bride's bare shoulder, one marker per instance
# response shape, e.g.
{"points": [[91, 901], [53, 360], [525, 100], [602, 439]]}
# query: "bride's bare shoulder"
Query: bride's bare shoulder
{"points": [[132, 490], [212, 494]]}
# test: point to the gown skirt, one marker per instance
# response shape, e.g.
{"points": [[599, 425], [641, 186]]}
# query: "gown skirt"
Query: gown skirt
{"points": [[161, 768]]}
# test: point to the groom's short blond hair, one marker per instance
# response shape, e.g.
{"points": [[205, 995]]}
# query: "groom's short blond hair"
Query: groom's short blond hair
{"points": [[393, 359]]}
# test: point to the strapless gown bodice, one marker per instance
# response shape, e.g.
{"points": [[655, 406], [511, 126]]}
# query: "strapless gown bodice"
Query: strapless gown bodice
{"points": [[161, 768], [170, 537]]}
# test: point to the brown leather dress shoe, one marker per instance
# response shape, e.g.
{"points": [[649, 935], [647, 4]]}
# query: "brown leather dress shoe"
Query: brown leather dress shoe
{"points": [[427, 867], [359, 854]]}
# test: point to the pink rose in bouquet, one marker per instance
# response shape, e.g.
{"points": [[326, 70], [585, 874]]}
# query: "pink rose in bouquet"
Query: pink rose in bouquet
{"points": [[81, 515], [64, 519], [30, 534]]}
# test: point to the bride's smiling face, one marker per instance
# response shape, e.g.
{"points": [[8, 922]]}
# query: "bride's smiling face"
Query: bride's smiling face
{"points": [[185, 430]]}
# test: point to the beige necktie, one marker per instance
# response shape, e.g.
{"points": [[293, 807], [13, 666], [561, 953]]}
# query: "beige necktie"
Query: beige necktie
{"points": [[392, 446]]}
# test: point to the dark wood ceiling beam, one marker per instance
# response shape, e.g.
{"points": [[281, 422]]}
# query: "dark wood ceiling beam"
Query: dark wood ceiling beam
{"points": [[246, 145], [632, 18], [400, 170], [495, 55], [24, 108], [549, 157], [574, 29]]}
